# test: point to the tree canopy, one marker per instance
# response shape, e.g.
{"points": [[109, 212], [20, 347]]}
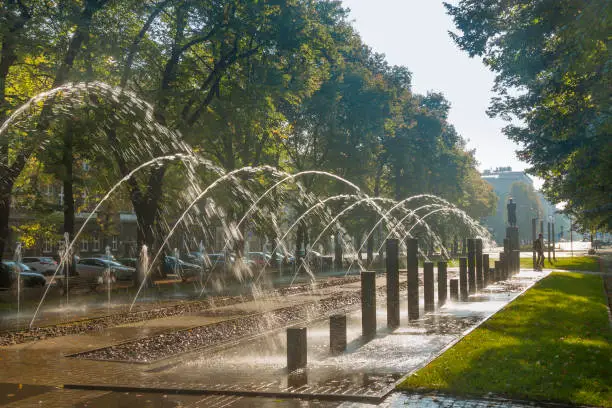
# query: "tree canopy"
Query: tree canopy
{"points": [[552, 64], [242, 83]]}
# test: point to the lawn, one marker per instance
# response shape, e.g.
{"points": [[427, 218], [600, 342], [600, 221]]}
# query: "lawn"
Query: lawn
{"points": [[576, 263], [552, 344]]}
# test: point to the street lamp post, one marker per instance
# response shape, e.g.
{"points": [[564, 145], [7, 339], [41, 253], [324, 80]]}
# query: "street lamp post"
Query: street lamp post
{"points": [[548, 230], [553, 240], [571, 232], [534, 222]]}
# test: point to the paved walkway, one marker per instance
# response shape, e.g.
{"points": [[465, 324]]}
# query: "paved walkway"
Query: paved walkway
{"points": [[59, 398], [43, 362], [42, 366]]}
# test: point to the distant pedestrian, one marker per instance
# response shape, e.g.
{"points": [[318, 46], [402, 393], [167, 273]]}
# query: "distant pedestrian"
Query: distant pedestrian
{"points": [[538, 246]]}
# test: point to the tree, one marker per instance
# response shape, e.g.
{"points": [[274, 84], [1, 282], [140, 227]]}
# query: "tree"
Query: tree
{"points": [[285, 83], [25, 34], [14, 19], [551, 62]]}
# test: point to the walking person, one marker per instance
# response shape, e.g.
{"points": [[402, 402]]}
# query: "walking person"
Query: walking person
{"points": [[538, 246]]}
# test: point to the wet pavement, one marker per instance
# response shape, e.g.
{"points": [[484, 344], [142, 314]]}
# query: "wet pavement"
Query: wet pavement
{"points": [[89, 305], [367, 369], [250, 372]]}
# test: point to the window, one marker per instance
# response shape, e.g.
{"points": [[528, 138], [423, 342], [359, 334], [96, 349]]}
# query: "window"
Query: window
{"points": [[96, 243], [47, 246], [84, 245], [115, 243]]}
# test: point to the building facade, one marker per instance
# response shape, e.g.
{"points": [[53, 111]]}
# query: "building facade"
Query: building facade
{"points": [[502, 180]]}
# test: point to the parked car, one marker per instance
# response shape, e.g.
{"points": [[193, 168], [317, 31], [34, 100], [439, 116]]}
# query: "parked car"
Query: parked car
{"points": [[29, 278], [217, 262], [173, 265], [280, 258], [43, 264], [94, 270], [131, 262], [109, 257], [318, 258], [7, 276], [260, 259], [195, 257]]}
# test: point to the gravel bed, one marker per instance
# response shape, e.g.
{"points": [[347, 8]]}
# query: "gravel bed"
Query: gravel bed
{"points": [[103, 322], [157, 347]]}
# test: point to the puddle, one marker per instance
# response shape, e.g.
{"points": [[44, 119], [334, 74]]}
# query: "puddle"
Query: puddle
{"points": [[14, 392]]}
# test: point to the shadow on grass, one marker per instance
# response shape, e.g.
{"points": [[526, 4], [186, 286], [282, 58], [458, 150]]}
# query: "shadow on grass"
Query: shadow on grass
{"points": [[553, 343]]}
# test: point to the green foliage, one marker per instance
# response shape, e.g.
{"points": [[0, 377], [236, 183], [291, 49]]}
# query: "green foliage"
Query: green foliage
{"points": [[554, 343], [287, 83], [574, 263], [552, 65]]}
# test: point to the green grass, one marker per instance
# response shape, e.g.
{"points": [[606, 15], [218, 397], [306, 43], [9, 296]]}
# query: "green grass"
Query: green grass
{"points": [[449, 263], [552, 344], [576, 263], [452, 263]]}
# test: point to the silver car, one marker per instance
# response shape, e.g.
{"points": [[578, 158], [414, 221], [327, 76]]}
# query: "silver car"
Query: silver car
{"points": [[100, 271], [41, 264]]}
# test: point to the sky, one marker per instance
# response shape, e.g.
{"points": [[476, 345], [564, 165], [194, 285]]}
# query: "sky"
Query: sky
{"points": [[414, 33]]}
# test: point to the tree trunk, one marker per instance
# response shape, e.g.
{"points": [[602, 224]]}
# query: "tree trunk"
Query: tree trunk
{"points": [[78, 39], [10, 173], [370, 244], [299, 241], [145, 235], [68, 182], [5, 210], [337, 251], [8, 57], [398, 182]]}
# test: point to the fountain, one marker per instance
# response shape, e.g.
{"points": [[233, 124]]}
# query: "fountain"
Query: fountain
{"points": [[17, 259], [486, 269], [471, 262], [454, 290], [393, 291], [267, 201], [337, 333], [463, 279], [65, 253], [297, 348], [108, 277], [413, 278], [368, 304], [442, 282], [479, 271], [428, 286]]}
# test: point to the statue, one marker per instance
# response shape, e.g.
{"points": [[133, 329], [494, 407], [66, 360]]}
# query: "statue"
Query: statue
{"points": [[511, 213]]}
